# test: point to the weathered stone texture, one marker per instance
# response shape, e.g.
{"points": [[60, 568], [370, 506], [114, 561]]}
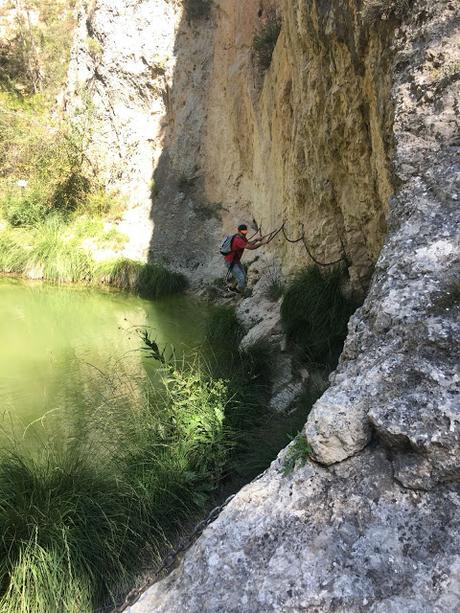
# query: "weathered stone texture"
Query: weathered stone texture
{"points": [[308, 143], [343, 539], [399, 374], [186, 104], [121, 66]]}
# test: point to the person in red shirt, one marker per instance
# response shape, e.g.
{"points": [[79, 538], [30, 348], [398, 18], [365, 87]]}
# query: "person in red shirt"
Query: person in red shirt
{"points": [[233, 259]]}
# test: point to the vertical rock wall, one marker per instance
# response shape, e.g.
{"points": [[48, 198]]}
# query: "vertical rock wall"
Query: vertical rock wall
{"points": [[187, 105], [308, 141], [119, 77]]}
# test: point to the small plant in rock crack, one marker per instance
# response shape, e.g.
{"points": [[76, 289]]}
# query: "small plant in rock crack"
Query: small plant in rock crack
{"points": [[449, 298], [275, 285], [275, 289], [197, 9], [185, 183], [374, 11], [95, 48], [297, 454], [265, 40]]}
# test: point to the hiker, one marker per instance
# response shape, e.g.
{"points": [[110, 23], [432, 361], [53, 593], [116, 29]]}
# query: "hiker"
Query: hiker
{"points": [[232, 250]]}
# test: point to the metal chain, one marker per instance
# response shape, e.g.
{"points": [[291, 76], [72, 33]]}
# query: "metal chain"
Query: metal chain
{"points": [[172, 556], [271, 235]]}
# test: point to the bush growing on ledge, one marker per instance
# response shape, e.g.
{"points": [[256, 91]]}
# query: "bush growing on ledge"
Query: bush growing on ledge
{"points": [[147, 280], [315, 313], [376, 10], [197, 9], [265, 40]]}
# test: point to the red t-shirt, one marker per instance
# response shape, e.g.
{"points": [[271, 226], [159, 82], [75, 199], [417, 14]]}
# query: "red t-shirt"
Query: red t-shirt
{"points": [[238, 245]]}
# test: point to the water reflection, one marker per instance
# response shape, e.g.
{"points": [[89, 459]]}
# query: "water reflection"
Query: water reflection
{"points": [[66, 351]]}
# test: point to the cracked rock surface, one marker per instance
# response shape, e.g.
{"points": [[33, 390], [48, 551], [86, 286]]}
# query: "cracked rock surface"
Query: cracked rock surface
{"points": [[399, 374], [346, 538]]}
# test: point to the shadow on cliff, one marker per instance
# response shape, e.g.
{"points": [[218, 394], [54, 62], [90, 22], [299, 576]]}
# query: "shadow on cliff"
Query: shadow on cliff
{"points": [[182, 218]]}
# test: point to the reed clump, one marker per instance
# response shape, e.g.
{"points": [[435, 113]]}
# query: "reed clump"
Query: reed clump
{"points": [[77, 524], [315, 313]]}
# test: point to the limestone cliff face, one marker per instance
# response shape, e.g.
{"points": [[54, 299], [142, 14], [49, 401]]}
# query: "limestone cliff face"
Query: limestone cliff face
{"points": [[308, 142], [187, 106], [120, 67]]}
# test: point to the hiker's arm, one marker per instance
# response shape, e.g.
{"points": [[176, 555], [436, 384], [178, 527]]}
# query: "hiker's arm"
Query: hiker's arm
{"points": [[254, 244]]}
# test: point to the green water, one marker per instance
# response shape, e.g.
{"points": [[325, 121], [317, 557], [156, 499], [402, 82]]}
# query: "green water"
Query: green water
{"points": [[64, 349]]}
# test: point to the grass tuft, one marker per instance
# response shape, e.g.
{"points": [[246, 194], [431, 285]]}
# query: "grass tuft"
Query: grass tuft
{"points": [[315, 314], [223, 330], [297, 454], [374, 11], [275, 289], [265, 40], [147, 280], [42, 580], [57, 257]]}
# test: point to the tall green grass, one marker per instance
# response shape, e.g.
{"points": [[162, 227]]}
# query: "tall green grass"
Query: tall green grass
{"points": [[147, 280], [53, 251], [77, 525], [258, 433], [315, 313]]}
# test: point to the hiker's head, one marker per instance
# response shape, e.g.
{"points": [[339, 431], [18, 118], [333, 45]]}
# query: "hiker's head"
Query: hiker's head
{"points": [[243, 229]]}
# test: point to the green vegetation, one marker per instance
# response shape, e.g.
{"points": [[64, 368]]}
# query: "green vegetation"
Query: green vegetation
{"points": [[95, 48], [224, 332], [53, 251], [147, 280], [265, 39], [275, 289], [77, 525], [197, 9], [259, 434], [45, 170], [315, 313], [374, 11], [35, 58], [297, 454], [449, 297]]}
